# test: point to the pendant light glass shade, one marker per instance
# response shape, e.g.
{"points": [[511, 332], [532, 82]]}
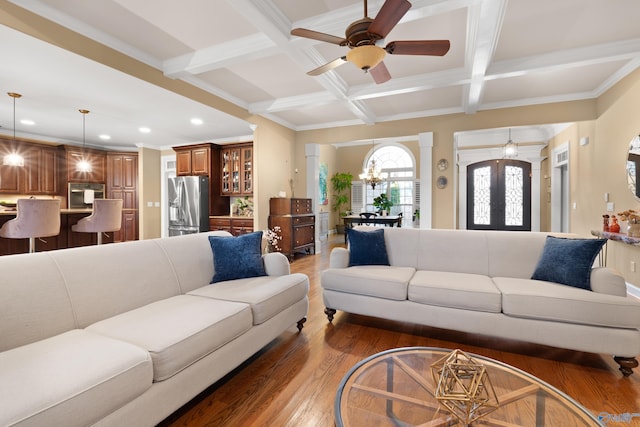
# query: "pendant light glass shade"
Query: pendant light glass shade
{"points": [[510, 148], [83, 165], [13, 158]]}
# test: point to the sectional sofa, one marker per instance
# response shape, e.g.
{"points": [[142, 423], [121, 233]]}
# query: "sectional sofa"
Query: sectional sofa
{"points": [[126, 333], [481, 282]]}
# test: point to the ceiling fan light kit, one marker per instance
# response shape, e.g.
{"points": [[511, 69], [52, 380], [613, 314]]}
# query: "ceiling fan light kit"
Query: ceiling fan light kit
{"points": [[362, 35], [366, 57]]}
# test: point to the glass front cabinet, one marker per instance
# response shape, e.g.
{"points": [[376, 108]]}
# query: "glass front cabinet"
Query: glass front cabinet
{"points": [[237, 170]]}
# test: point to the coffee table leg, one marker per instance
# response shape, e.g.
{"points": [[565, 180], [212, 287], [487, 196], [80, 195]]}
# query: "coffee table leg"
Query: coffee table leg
{"points": [[540, 409], [390, 387]]}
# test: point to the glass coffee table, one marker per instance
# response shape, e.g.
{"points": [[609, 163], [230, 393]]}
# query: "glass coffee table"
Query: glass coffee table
{"points": [[396, 388]]}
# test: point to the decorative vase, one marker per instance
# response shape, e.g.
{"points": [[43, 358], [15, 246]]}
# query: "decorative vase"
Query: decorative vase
{"points": [[605, 223], [633, 229], [614, 227]]}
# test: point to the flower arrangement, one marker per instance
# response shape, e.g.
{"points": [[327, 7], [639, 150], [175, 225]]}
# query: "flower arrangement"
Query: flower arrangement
{"points": [[630, 215], [272, 236]]}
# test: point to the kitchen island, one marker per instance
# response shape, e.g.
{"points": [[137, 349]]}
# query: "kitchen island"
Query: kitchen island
{"points": [[65, 239]]}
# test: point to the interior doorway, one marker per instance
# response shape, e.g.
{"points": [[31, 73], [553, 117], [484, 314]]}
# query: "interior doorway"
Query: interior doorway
{"points": [[560, 190], [499, 195]]}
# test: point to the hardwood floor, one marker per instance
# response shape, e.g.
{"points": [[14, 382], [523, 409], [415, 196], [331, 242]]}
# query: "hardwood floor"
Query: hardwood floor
{"points": [[293, 381]]}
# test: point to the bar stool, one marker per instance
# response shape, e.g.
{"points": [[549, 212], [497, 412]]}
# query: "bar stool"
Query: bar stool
{"points": [[106, 216], [35, 218]]}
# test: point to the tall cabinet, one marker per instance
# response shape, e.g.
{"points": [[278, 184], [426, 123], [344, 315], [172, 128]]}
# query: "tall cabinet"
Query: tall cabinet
{"points": [[297, 224], [122, 183]]}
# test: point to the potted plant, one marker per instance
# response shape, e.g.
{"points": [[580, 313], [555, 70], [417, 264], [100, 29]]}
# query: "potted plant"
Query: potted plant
{"points": [[341, 184], [382, 203]]}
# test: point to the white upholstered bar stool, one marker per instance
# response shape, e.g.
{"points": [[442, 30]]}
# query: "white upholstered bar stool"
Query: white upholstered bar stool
{"points": [[106, 217], [35, 218]]}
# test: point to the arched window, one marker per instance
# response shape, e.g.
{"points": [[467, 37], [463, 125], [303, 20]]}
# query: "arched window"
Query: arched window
{"points": [[399, 164]]}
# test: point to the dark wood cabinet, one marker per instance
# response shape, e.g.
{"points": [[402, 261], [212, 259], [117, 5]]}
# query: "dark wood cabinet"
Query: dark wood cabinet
{"points": [[193, 160], [38, 176], [235, 226], [122, 183], [40, 170], [297, 224], [236, 177], [203, 160], [97, 160]]}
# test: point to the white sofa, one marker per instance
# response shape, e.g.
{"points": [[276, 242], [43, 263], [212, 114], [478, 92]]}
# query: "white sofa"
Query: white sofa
{"points": [[126, 333], [479, 282]]}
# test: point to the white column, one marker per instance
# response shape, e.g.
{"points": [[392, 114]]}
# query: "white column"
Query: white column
{"points": [[312, 154], [425, 142]]}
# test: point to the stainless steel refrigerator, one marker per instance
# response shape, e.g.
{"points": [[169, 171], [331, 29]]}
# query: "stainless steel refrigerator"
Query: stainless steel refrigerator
{"points": [[188, 205]]}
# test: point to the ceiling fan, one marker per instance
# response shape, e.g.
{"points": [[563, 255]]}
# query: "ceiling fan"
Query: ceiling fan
{"points": [[362, 35]]}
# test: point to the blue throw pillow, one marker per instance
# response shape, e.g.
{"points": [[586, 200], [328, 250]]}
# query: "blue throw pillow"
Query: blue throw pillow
{"points": [[367, 247], [237, 257], [568, 261]]}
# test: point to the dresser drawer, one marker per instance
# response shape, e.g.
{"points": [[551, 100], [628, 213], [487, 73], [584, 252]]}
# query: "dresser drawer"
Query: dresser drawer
{"points": [[303, 220], [216, 224]]}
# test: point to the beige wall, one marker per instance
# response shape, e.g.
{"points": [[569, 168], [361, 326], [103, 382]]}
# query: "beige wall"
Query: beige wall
{"points": [[149, 192]]}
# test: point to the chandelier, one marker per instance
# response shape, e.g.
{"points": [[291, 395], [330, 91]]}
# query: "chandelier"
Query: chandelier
{"points": [[510, 148], [13, 158], [372, 175]]}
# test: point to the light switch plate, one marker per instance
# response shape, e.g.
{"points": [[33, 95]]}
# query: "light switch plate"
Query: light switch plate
{"points": [[610, 207]]}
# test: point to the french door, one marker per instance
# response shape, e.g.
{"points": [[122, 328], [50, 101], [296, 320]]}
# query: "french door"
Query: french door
{"points": [[499, 195]]}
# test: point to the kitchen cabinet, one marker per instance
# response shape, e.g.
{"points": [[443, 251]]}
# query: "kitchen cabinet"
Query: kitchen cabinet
{"points": [[122, 183], [37, 176], [193, 160], [203, 160], [237, 170], [297, 224], [235, 226], [96, 158], [40, 170]]}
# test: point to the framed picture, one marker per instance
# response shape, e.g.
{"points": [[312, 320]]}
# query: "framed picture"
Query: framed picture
{"points": [[324, 200]]}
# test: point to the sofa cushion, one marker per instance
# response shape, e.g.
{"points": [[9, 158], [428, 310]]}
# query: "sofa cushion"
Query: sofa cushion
{"points": [[372, 280], [367, 247], [72, 379], [237, 257], [267, 295], [456, 290], [555, 302], [178, 331], [568, 261]]}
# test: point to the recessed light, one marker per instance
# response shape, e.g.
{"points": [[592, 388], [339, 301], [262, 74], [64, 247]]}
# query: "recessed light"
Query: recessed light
{"points": [[144, 129], [104, 136], [27, 122], [196, 121]]}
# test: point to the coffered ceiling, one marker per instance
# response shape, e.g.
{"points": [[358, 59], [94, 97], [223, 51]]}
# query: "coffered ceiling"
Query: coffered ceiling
{"points": [[503, 53]]}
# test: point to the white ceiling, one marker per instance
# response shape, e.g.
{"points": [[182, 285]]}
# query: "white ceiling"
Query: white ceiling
{"points": [[503, 54]]}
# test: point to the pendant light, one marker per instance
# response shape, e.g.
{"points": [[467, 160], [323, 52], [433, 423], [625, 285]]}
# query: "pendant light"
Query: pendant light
{"points": [[510, 148], [83, 165], [372, 174], [13, 158]]}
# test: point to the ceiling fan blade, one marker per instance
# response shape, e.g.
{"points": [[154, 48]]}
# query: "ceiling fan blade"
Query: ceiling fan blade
{"points": [[389, 15], [316, 35], [418, 47], [328, 66], [380, 73]]}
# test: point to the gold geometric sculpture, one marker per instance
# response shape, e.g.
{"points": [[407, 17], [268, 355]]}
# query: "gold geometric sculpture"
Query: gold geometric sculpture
{"points": [[463, 387]]}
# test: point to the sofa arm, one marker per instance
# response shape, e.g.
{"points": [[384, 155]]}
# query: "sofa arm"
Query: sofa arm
{"points": [[605, 280], [339, 258], [276, 264]]}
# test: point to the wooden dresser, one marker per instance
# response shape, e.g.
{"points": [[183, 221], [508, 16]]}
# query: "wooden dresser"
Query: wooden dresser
{"points": [[297, 224]]}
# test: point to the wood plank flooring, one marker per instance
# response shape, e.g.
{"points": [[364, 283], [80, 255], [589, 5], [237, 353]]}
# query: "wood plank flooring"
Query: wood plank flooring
{"points": [[293, 381]]}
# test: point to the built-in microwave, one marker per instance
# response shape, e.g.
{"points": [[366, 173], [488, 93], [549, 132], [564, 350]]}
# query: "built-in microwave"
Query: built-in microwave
{"points": [[82, 194]]}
